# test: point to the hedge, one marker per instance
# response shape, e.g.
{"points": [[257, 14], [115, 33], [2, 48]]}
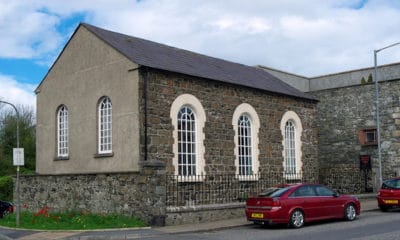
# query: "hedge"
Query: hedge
{"points": [[6, 188]]}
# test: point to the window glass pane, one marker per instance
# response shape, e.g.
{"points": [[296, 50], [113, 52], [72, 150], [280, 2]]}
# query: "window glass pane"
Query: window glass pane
{"points": [[187, 142], [105, 125], [323, 191], [290, 148], [245, 146], [62, 132]]}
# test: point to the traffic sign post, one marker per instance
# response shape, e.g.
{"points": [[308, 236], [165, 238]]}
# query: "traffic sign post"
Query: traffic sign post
{"points": [[18, 156]]}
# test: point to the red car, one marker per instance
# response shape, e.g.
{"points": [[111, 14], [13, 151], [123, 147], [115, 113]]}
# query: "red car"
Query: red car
{"points": [[300, 203], [389, 194]]}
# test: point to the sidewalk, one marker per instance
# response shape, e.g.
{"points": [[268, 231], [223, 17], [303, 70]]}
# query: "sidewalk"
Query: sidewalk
{"points": [[368, 203]]}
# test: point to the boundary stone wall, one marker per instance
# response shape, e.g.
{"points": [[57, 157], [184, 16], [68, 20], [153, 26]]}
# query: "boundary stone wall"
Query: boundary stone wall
{"points": [[132, 194]]}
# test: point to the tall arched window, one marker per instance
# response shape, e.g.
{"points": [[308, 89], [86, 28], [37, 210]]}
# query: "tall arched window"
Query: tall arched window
{"points": [[292, 129], [62, 132], [290, 148], [187, 142], [245, 146], [246, 125], [105, 125], [188, 118]]}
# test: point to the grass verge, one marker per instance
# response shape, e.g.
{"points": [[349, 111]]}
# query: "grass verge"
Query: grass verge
{"points": [[70, 221]]}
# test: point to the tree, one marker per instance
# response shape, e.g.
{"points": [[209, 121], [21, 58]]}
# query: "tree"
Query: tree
{"points": [[8, 138]]}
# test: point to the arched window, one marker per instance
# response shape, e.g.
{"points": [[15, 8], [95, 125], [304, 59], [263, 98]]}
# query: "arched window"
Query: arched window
{"points": [[246, 125], [187, 142], [292, 129], [245, 146], [290, 148], [105, 125], [62, 132], [188, 118]]}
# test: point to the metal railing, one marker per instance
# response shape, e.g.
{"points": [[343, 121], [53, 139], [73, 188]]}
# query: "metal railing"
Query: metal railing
{"points": [[222, 188], [230, 188]]}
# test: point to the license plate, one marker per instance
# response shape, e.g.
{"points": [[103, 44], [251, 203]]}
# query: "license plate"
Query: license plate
{"points": [[391, 201], [257, 215]]}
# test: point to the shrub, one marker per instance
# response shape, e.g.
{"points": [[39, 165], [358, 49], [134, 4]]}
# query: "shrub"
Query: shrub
{"points": [[6, 188]]}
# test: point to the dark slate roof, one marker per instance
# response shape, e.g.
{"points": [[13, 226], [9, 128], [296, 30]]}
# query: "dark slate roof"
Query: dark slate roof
{"points": [[159, 56]]}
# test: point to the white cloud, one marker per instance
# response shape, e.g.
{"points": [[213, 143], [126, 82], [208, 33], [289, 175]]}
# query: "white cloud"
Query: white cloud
{"points": [[17, 93], [308, 37]]}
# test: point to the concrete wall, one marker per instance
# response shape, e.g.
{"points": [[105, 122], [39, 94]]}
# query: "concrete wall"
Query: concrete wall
{"points": [[87, 70], [335, 80], [297, 81]]}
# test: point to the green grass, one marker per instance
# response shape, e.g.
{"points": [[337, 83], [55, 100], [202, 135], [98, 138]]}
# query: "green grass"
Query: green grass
{"points": [[70, 221]]}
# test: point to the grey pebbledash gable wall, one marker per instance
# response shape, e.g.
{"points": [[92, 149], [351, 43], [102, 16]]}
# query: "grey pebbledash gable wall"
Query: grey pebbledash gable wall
{"points": [[219, 101], [344, 111]]}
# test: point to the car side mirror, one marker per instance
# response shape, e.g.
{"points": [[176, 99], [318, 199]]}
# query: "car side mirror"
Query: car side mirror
{"points": [[335, 194]]}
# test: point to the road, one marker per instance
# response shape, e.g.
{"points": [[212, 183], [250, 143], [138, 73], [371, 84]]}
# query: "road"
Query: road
{"points": [[371, 225]]}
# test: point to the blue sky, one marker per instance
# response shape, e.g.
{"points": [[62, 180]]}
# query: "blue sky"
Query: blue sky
{"points": [[306, 37]]}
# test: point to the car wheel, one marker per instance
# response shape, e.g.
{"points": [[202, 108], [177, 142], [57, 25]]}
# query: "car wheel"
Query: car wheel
{"points": [[296, 219], [350, 212]]}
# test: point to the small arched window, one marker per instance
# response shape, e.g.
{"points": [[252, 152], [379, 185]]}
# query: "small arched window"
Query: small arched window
{"points": [[105, 125], [246, 125], [245, 146], [187, 141], [292, 129], [188, 118], [290, 148], [62, 132]]}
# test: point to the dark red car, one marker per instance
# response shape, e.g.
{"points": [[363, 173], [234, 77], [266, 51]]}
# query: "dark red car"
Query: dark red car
{"points": [[389, 194], [300, 203]]}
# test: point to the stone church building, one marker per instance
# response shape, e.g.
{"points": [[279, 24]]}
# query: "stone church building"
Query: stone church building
{"points": [[135, 127], [130, 126]]}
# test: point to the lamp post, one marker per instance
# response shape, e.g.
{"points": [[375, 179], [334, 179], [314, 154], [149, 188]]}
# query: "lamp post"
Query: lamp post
{"points": [[377, 109], [17, 208]]}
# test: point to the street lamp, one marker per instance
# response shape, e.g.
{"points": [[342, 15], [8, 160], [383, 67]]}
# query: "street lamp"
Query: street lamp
{"points": [[18, 208], [377, 110]]}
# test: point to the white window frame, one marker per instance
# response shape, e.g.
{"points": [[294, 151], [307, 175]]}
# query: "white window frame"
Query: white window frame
{"points": [[105, 125], [247, 110], [188, 100], [187, 140], [288, 148], [62, 132]]}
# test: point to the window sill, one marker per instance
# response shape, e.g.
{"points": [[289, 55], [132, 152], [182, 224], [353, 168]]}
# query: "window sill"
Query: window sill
{"points": [[194, 178], [104, 155], [248, 178], [61, 158]]}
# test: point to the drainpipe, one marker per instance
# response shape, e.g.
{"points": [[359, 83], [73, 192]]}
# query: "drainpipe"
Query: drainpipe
{"points": [[145, 75]]}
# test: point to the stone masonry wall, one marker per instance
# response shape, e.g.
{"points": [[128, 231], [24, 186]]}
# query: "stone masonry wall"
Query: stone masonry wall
{"points": [[342, 112], [133, 194], [219, 101]]}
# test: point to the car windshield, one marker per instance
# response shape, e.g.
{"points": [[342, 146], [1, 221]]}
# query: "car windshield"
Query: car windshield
{"points": [[273, 192], [391, 184]]}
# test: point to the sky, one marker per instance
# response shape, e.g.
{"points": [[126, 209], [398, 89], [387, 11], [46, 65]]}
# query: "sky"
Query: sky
{"points": [[305, 37]]}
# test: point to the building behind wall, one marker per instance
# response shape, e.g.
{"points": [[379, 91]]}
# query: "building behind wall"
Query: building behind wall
{"points": [[117, 115], [346, 115]]}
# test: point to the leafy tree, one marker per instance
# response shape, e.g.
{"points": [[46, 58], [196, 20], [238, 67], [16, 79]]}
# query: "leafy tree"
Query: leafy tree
{"points": [[8, 138], [370, 78]]}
